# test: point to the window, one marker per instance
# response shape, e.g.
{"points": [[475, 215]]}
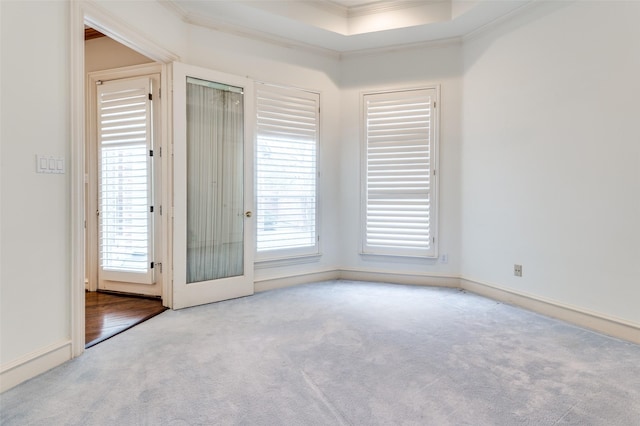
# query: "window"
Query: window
{"points": [[399, 208], [286, 172]]}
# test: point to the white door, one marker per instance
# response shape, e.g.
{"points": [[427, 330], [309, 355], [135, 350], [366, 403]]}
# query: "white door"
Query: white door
{"points": [[213, 182], [126, 211]]}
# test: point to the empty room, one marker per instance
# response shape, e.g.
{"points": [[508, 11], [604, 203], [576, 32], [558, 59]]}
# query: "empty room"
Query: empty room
{"points": [[353, 211]]}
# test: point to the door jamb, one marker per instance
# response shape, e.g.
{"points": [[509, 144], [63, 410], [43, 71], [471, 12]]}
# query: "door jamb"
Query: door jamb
{"points": [[82, 12]]}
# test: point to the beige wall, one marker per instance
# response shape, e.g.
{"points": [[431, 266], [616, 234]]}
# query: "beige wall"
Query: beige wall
{"points": [[34, 208], [104, 53]]}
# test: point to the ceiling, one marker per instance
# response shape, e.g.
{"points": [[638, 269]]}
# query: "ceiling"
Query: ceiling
{"points": [[345, 26]]}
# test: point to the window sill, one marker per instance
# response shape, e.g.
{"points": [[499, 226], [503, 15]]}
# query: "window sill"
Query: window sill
{"points": [[411, 257]]}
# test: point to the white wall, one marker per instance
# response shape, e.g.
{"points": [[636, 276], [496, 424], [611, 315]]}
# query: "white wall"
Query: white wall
{"points": [[409, 68], [149, 19], [35, 210], [35, 227], [104, 53], [551, 156]]}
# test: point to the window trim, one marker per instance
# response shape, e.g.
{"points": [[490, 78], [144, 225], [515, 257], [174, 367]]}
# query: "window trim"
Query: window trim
{"points": [[365, 251], [282, 257]]}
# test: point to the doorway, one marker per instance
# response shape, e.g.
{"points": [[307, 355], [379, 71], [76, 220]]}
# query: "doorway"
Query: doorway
{"points": [[123, 187]]}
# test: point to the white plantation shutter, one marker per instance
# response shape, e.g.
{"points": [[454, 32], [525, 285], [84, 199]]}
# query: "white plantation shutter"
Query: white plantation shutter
{"points": [[400, 139], [125, 219], [286, 172]]}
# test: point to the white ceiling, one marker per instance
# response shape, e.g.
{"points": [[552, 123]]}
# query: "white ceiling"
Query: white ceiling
{"points": [[344, 26]]}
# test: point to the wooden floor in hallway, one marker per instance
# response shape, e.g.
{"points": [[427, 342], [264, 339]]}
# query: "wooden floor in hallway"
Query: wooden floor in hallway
{"points": [[108, 314]]}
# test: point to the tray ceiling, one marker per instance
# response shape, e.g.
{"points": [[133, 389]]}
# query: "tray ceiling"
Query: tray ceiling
{"points": [[343, 26]]}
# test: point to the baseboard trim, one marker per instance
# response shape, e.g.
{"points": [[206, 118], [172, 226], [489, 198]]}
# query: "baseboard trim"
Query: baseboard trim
{"points": [[289, 280], [40, 361], [420, 279], [581, 317], [33, 364]]}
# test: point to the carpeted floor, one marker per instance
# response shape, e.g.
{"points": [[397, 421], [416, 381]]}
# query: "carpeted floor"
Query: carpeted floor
{"points": [[342, 353]]}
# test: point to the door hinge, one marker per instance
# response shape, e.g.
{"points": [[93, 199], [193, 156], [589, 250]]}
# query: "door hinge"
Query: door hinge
{"points": [[152, 265], [160, 151], [160, 92], [433, 239], [150, 97], [159, 267], [150, 209], [434, 104], [150, 153]]}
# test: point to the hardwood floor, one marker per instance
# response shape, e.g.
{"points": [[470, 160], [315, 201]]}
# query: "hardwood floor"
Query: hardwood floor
{"points": [[109, 314]]}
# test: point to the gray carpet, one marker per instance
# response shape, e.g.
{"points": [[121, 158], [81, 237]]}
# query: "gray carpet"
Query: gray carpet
{"points": [[342, 353]]}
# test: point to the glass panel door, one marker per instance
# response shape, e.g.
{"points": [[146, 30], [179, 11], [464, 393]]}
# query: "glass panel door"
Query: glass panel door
{"points": [[215, 173], [212, 187]]}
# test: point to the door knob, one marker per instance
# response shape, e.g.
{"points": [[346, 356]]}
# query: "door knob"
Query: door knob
{"points": [[248, 214]]}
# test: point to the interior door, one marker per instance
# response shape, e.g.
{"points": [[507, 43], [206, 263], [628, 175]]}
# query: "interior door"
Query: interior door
{"points": [[126, 169], [213, 181]]}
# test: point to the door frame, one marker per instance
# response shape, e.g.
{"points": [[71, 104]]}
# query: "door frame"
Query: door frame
{"points": [[82, 12]]}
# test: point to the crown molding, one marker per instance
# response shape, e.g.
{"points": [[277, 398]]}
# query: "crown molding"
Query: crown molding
{"points": [[431, 44], [373, 8], [249, 33], [105, 22], [383, 7], [483, 29], [173, 7], [331, 7], [244, 32]]}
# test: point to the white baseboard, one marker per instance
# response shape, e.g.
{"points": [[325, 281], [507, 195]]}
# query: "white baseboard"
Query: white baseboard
{"points": [[400, 277], [273, 283], [37, 362], [34, 363], [614, 327], [581, 317]]}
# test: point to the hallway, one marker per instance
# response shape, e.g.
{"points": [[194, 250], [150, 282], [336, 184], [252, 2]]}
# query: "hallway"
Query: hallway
{"points": [[108, 314]]}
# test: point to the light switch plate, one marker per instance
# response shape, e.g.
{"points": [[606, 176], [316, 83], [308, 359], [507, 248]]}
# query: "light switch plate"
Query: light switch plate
{"points": [[50, 164]]}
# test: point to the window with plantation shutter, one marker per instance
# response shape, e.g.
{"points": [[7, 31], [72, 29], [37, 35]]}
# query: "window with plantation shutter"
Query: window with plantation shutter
{"points": [[286, 172], [399, 211], [125, 190]]}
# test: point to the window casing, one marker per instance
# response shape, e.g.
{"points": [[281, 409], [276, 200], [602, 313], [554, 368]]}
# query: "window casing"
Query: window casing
{"points": [[399, 208], [287, 140]]}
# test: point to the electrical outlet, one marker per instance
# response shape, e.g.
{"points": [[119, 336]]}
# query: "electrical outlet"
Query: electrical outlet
{"points": [[444, 258], [517, 270]]}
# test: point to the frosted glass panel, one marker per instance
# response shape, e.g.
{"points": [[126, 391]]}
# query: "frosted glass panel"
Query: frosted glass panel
{"points": [[215, 203]]}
